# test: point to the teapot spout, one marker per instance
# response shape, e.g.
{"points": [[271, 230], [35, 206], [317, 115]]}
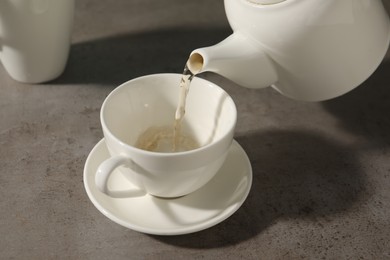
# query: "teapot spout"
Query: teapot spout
{"points": [[237, 59]]}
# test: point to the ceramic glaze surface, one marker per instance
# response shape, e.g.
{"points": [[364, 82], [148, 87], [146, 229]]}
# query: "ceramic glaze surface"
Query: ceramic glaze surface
{"points": [[265, 2], [35, 38], [149, 101], [309, 49], [206, 207]]}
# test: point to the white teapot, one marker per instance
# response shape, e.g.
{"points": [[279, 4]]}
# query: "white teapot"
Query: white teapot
{"points": [[306, 49]]}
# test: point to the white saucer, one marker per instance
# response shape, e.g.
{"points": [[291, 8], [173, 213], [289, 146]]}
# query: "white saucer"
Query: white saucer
{"points": [[206, 207]]}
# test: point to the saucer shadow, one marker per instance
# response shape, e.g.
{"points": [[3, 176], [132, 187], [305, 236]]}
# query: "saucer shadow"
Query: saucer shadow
{"points": [[365, 110], [116, 59], [296, 174]]}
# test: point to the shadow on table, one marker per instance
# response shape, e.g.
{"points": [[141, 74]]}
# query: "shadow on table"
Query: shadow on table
{"points": [[114, 60], [365, 110], [296, 174]]}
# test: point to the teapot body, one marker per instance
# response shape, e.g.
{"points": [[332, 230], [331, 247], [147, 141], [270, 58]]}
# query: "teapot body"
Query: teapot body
{"points": [[319, 49]]}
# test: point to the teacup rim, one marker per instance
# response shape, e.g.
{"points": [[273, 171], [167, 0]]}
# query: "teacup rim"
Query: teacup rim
{"points": [[166, 154]]}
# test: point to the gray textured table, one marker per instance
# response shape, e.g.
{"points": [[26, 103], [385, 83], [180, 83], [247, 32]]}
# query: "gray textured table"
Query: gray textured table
{"points": [[321, 170]]}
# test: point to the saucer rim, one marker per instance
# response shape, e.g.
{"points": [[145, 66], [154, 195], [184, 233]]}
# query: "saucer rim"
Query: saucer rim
{"points": [[174, 231]]}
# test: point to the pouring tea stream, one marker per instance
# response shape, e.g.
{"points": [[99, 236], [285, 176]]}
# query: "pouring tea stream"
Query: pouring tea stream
{"points": [[308, 50]]}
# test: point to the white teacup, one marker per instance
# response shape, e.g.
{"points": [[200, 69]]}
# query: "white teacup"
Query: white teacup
{"points": [[35, 38], [149, 101]]}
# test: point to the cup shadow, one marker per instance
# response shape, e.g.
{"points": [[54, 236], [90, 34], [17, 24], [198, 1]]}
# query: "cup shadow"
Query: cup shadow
{"points": [[364, 111], [116, 59], [296, 174]]}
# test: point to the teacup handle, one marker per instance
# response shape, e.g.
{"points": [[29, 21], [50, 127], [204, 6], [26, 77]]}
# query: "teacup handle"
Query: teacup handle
{"points": [[106, 168]]}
